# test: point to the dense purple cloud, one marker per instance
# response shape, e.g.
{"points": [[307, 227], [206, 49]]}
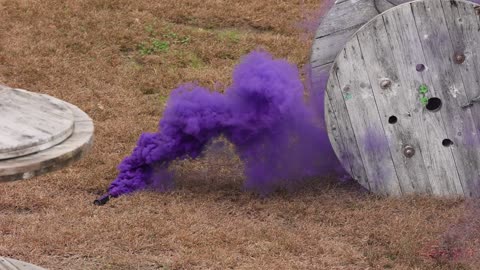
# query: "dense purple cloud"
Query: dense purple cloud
{"points": [[278, 136]]}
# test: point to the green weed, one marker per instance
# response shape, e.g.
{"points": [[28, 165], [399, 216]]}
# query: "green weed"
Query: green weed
{"points": [[155, 45], [195, 61], [230, 35]]}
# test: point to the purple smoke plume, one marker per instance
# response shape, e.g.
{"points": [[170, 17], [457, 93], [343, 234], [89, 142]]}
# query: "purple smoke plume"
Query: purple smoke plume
{"points": [[312, 18], [263, 113]]}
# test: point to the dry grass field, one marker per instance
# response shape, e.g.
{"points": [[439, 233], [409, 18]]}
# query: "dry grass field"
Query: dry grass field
{"points": [[118, 60]]}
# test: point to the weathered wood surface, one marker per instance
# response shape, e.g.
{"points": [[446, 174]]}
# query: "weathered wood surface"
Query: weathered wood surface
{"points": [[55, 157], [404, 56], [11, 264], [31, 122], [349, 70], [340, 23], [377, 52], [360, 103], [339, 125]]}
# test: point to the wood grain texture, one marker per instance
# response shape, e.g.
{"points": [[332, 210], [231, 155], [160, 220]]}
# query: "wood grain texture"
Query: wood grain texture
{"points": [[429, 129], [31, 122], [339, 126], [53, 158], [338, 26], [341, 22], [462, 21], [367, 129], [389, 48], [393, 102]]}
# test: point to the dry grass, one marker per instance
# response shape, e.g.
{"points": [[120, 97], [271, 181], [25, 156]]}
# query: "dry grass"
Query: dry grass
{"points": [[87, 52]]}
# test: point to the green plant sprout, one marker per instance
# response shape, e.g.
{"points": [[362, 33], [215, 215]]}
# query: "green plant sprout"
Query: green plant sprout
{"points": [[424, 101], [155, 45], [230, 35], [423, 90], [160, 46]]}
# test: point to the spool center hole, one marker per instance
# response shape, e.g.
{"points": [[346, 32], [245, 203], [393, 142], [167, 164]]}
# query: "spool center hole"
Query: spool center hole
{"points": [[434, 104], [392, 119], [447, 142]]}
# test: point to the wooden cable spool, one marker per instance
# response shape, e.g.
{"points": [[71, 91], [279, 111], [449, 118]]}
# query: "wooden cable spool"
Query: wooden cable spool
{"points": [[403, 100], [39, 134]]}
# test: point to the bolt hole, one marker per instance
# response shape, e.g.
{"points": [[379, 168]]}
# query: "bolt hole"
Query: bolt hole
{"points": [[447, 142], [392, 119], [434, 104], [420, 67]]}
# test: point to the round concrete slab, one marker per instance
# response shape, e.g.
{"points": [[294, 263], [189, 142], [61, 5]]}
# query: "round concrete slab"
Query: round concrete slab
{"points": [[11, 264], [31, 122], [57, 155]]}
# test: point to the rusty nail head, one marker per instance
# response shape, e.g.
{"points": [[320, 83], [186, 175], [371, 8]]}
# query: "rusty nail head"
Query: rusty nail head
{"points": [[408, 151], [385, 83], [459, 58]]}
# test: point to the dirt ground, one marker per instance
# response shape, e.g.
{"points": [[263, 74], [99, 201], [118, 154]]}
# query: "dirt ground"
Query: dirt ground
{"points": [[118, 60]]}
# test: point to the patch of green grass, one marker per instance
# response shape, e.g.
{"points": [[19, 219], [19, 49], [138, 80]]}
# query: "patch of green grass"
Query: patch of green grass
{"points": [[188, 59], [155, 45], [176, 38], [195, 61], [160, 46], [230, 35]]}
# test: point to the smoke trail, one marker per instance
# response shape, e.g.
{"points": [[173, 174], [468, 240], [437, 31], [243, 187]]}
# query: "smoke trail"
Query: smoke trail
{"points": [[263, 113], [312, 18]]}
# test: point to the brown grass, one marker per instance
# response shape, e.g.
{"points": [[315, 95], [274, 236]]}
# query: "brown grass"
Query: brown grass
{"points": [[86, 52]]}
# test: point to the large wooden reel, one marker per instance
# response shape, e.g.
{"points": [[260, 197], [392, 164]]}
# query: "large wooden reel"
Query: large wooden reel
{"points": [[39, 134], [403, 100]]}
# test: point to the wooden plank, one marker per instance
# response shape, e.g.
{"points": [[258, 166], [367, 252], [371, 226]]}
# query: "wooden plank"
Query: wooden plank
{"points": [[447, 79], [463, 24], [339, 147], [396, 102], [345, 15], [325, 49], [367, 127], [348, 153]]}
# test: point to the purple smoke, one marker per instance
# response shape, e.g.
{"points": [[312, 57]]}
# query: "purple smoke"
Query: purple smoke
{"points": [[313, 18], [263, 113]]}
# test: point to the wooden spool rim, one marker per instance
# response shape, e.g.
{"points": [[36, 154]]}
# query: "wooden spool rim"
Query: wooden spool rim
{"points": [[55, 157], [334, 31]]}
